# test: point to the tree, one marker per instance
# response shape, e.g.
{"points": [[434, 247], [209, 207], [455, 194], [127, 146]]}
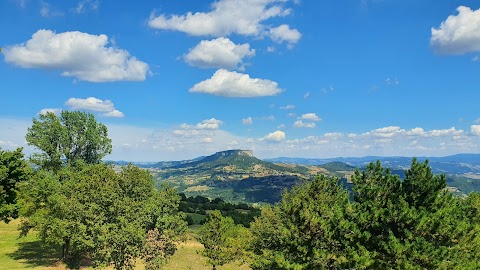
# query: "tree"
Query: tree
{"points": [[13, 170], [111, 218], [222, 239], [309, 229], [389, 224], [70, 137]]}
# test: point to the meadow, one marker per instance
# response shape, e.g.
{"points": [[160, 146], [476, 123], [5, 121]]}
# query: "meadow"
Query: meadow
{"points": [[29, 253]]}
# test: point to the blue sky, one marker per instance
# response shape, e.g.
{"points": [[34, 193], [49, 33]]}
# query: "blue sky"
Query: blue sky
{"points": [[179, 79]]}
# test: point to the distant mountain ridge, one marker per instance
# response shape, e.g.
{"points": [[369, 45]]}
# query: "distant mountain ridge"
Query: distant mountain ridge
{"points": [[454, 164]]}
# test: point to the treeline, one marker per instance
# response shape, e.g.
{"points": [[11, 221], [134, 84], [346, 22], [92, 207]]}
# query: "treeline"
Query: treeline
{"points": [[241, 213]]}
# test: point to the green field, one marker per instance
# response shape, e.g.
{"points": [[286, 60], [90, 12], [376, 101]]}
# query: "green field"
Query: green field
{"points": [[28, 253]]}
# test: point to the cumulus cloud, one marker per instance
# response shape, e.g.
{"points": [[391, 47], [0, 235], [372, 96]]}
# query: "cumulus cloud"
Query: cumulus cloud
{"points": [[247, 121], [287, 107], [458, 34], [283, 33], [218, 53], [231, 17], [276, 136], [232, 84], [209, 124], [301, 124], [55, 111], [76, 54], [95, 105], [475, 129], [310, 117], [155, 143]]}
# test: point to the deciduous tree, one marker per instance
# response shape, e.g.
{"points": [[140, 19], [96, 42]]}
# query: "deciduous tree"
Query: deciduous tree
{"points": [[107, 216], [69, 137], [13, 170]]}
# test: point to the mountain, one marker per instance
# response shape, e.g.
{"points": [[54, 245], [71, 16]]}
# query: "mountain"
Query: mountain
{"points": [[235, 175]]}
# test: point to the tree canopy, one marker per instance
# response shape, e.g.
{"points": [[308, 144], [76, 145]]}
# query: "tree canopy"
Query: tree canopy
{"points": [[13, 169], [108, 217], [71, 136], [222, 239], [388, 224]]}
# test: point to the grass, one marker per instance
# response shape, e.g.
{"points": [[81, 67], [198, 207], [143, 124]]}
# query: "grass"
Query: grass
{"points": [[26, 252], [29, 253], [197, 218]]}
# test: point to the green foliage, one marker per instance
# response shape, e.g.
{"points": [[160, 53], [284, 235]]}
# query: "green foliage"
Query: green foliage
{"points": [[224, 241], [335, 166], [96, 213], [389, 224], [13, 170], [240, 213], [70, 137], [307, 230]]}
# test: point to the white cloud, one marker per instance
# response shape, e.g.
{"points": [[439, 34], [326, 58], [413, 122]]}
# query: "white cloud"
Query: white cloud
{"points": [[207, 140], [232, 84], [186, 133], [307, 95], [78, 55], [276, 136], [55, 111], [310, 117], [94, 104], [458, 34], [226, 17], [209, 124], [218, 53], [287, 107], [270, 49], [114, 113], [385, 132], [247, 121], [333, 135], [283, 33], [475, 129], [301, 124], [477, 121], [155, 143]]}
